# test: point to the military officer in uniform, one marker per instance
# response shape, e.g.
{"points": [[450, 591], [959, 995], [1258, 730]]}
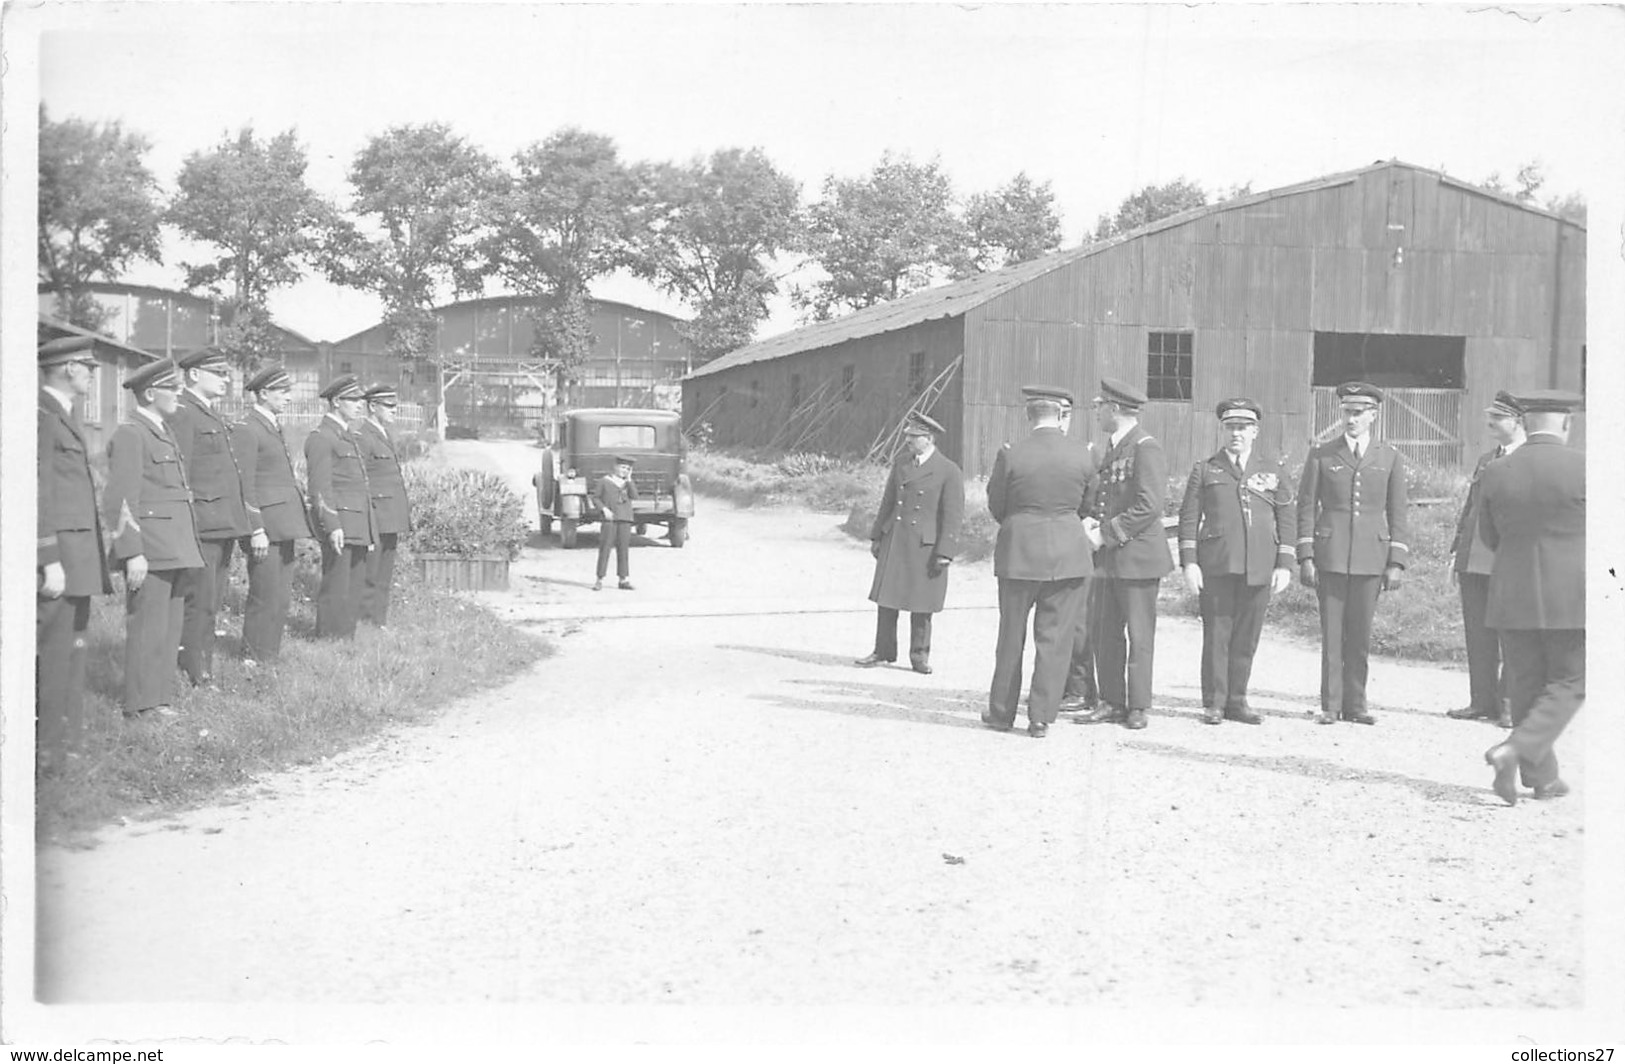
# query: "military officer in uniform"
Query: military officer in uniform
{"points": [[204, 439], [340, 508], [914, 538], [1082, 692], [1470, 568], [1534, 519], [1039, 492], [274, 504], [1236, 526], [1353, 541], [390, 509], [71, 558], [1133, 558], [148, 505]]}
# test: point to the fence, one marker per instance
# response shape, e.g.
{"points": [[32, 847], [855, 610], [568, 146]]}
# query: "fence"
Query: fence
{"points": [[302, 414], [1423, 423]]}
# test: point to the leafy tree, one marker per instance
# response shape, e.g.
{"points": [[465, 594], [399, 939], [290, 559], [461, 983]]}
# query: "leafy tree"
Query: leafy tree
{"points": [[99, 211], [422, 189], [1529, 180], [881, 236], [1016, 223], [249, 198], [707, 232], [1571, 206], [1152, 203], [563, 219]]}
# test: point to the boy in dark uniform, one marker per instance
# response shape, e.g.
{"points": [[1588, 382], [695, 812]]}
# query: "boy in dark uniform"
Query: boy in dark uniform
{"points": [[71, 562], [1235, 546], [148, 505], [615, 492], [914, 538], [341, 509]]}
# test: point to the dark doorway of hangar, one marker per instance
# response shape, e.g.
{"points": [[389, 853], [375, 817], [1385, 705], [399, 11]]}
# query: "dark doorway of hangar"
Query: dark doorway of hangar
{"points": [[1424, 378]]}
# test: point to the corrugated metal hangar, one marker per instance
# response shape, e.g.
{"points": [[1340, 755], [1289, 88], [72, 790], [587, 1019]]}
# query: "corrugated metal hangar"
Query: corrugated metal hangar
{"points": [[1437, 290]]}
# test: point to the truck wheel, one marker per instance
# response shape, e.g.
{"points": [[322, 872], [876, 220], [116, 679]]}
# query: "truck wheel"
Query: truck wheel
{"points": [[679, 531], [567, 533], [640, 528]]}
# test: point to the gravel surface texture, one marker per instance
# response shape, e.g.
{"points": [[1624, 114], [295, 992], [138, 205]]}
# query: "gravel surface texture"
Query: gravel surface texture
{"points": [[700, 800]]}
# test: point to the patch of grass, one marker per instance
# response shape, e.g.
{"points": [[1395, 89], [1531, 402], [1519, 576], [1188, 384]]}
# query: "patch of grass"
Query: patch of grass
{"points": [[756, 477], [319, 699]]}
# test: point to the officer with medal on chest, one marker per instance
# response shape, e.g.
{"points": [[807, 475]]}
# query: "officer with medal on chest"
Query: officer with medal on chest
{"points": [[148, 505], [340, 507], [914, 538], [71, 561], [1353, 541], [1235, 545], [1132, 559]]}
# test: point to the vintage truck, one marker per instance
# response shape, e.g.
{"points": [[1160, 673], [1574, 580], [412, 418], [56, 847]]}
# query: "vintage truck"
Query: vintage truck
{"points": [[583, 449]]}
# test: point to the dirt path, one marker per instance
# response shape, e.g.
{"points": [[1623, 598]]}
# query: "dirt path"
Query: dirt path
{"points": [[698, 800]]}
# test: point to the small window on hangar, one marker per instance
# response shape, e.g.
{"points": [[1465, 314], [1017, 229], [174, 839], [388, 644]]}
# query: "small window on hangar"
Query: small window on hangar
{"points": [[1393, 360]]}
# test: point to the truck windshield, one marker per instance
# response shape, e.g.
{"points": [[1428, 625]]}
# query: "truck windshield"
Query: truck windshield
{"points": [[626, 437]]}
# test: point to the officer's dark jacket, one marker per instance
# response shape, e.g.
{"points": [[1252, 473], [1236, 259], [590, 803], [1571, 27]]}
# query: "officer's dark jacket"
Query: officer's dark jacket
{"points": [[147, 503], [336, 480], [1352, 516], [1534, 519], [269, 488], [1234, 524], [1133, 487], [1039, 492], [70, 528], [204, 440], [385, 481], [1471, 554]]}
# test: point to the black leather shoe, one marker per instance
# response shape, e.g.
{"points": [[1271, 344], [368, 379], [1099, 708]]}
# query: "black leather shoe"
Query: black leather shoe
{"points": [[1105, 713], [1243, 716], [1504, 760], [1212, 716], [998, 725], [626, 585], [1037, 729], [1326, 718], [1470, 713], [1135, 720], [872, 660], [1359, 718], [920, 667], [1555, 789], [1075, 704]]}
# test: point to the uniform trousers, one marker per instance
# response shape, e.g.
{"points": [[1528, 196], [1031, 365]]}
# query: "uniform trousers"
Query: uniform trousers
{"points": [[1232, 620], [154, 614], [1485, 678], [1347, 604], [270, 590], [1054, 606], [204, 593], [380, 575], [1080, 677], [338, 600], [1546, 683], [919, 636], [1126, 641], [616, 535], [59, 674]]}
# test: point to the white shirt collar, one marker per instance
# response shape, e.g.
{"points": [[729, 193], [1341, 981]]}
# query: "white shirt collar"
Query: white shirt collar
{"points": [[65, 398], [1508, 448], [156, 419], [921, 459], [1356, 447], [340, 422], [1240, 460], [1117, 437]]}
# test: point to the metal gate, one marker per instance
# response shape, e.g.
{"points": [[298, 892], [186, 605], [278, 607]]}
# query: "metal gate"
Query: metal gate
{"points": [[1424, 423]]}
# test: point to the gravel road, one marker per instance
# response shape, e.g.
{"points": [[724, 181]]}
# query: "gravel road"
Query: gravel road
{"points": [[699, 800]]}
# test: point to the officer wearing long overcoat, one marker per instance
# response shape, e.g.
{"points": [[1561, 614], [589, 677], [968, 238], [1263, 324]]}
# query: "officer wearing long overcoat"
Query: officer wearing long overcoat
{"points": [[148, 506], [1353, 544], [914, 538], [1534, 519], [71, 558], [276, 505], [391, 512], [1133, 558], [204, 439], [1040, 493], [1236, 524], [1471, 564], [340, 507]]}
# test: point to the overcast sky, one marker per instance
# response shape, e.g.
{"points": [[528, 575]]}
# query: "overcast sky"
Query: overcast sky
{"points": [[1097, 100]]}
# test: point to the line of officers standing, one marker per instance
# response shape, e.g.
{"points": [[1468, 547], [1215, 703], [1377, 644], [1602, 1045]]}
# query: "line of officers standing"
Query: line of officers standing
{"points": [[1081, 551], [184, 490]]}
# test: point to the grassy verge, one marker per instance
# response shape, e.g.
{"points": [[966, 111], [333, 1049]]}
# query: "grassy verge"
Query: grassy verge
{"points": [[319, 699]]}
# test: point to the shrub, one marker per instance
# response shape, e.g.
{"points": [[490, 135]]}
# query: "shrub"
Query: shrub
{"points": [[462, 511]]}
